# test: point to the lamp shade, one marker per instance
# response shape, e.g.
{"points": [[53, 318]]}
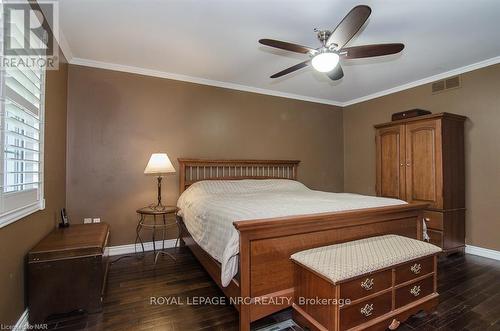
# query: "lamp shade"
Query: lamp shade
{"points": [[158, 164]]}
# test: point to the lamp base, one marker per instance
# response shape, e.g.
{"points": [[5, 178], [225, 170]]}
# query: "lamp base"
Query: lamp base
{"points": [[159, 206]]}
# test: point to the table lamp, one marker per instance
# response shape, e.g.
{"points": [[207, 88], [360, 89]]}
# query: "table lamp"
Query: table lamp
{"points": [[159, 165]]}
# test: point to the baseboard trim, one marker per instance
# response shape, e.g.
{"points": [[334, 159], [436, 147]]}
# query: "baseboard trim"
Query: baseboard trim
{"points": [[484, 252], [170, 243], [132, 248], [22, 323]]}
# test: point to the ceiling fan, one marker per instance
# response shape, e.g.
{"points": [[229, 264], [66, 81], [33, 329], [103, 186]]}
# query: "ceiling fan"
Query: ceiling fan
{"points": [[326, 58]]}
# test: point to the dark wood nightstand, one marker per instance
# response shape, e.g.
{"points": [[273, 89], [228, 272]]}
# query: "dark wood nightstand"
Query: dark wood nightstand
{"points": [[157, 220], [67, 271]]}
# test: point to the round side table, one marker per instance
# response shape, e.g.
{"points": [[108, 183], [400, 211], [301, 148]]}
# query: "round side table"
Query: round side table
{"points": [[154, 218]]}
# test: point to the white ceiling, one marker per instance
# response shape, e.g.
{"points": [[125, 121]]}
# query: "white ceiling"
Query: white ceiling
{"points": [[216, 41]]}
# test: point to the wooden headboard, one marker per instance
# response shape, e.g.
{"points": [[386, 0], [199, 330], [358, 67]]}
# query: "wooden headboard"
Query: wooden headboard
{"points": [[194, 170]]}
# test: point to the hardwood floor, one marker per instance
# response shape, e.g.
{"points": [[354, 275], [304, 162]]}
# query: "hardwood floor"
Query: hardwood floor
{"points": [[469, 288]]}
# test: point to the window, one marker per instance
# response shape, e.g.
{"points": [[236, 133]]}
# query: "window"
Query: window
{"points": [[21, 141]]}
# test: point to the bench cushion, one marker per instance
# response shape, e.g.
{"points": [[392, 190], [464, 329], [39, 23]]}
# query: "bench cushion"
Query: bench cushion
{"points": [[354, 258]]}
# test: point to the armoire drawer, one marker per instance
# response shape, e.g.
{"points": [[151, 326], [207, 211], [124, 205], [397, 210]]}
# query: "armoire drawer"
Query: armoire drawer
{"points": [[433, 220], [435, 237]]}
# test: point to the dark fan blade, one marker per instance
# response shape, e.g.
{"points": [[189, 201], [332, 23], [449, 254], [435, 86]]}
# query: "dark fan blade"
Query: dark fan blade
{"points": [[291, 69], [286, 46], [336, 73], [349, 26], [357, 52]]}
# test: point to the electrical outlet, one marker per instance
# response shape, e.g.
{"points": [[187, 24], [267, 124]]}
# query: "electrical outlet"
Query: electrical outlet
{"points": [[97, 220], [87, 220]]}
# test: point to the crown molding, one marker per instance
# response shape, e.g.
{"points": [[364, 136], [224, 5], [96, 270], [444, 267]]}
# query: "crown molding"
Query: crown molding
{"points": [[58, 34], [197, 80], [232, 86], [63, 44], [427, 80]]}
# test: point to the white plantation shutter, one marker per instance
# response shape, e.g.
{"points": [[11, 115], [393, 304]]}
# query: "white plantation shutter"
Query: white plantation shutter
{"points": [[21, 140]]}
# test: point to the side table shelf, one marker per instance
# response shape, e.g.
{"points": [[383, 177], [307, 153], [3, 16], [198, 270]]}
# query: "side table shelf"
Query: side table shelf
{"points": [[158, 221]]}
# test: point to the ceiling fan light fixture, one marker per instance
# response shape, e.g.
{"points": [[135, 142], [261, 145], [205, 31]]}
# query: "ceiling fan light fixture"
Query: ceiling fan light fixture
{"points": [[325, 62]]}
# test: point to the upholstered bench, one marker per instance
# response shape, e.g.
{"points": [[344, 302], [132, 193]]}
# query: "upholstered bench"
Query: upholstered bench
{"points": [[371, 283]]}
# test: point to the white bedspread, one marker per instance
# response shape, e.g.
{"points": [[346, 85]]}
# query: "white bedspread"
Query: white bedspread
{"points": [[209, 209]]}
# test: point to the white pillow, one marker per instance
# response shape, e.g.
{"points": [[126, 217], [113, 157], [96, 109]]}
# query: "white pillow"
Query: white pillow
{"points": [[243, 186]]}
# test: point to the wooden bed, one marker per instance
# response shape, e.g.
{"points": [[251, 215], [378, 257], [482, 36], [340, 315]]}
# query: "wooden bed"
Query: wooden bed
{"points": [[265, 269]]}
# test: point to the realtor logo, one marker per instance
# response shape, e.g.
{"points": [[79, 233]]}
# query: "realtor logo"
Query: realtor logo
{"points": [[29, 28]]}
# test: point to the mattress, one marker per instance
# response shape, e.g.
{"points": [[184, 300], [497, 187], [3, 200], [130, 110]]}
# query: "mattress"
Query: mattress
{"points": [[210, 207]]}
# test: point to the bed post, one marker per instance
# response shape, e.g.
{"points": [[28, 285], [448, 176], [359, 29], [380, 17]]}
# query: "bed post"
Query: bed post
{"points": [[182, 176], [420, 225], [244, 282]]}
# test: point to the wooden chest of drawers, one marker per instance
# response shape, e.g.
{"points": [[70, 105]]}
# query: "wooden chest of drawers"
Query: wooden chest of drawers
{"points": [[378, 300], [422, 159], [67, 271]]}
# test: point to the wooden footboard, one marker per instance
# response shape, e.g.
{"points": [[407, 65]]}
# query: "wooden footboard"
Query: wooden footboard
{"points": [[266, 245], [265, 283]]}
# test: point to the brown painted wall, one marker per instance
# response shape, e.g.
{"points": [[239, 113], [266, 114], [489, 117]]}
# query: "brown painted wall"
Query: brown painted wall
{"points": [[479, 100], [116, 120], [18, 238]]}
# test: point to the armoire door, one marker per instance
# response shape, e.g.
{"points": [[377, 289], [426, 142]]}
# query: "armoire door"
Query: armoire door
{"points": [[424, 163], [390, 143]]}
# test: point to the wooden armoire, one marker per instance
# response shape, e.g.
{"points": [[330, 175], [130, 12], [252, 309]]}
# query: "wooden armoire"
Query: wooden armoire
{"points": [[421, 159]]}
